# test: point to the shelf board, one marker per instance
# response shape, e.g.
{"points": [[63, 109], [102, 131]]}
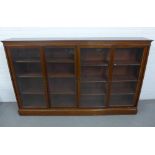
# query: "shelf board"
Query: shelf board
{"points": [[61, 75], [93, 79], [60, 61], [63, 93], [27, 61], [126, 63], [125, 90], [93, 94], [123, 78], [94, 63], [32, 93], [122, 93], [86, 81], [31, 75]]}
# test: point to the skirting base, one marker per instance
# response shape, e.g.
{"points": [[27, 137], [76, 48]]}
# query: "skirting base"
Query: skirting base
{"points": [[78, 112]]}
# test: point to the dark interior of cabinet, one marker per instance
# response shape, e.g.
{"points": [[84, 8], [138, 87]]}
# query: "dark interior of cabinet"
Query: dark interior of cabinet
{"points": [[94, 56], [62, 55], [125, 76], [31, 85], [63, 100], [62, 85], [94, 73], [91, 85], [93, 77], [92, 101], [92, 88], [33, 100], [25, 54], [125, 73], [128, 56], [123, 87], [122, 100], [60, 64]]}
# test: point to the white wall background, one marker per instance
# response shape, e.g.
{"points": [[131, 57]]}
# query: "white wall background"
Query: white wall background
{"points": [[6, 89]]}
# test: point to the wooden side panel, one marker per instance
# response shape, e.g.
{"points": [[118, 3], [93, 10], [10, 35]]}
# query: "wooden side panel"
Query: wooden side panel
{"points": [[141, 74]]}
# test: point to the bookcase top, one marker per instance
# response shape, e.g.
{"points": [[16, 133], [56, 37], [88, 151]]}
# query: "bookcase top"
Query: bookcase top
{"points": [[80, 39]]}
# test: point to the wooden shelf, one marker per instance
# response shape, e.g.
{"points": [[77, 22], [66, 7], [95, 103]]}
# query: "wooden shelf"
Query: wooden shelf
{"points": [[126, 63], [30, 75], [61, 75], [121, 93], [60, 61], [27, 61], [92, 101], [94, 63], [119, 90], [93, 79], [123, 78], [63, 93], [93, 94], [32, 92], [63, 100], [122, 100]]}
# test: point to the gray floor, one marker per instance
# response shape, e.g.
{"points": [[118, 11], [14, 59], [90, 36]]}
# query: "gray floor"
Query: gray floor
{"points": [[145, 117]]}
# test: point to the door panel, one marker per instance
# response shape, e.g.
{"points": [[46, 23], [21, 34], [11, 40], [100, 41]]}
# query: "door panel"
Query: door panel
{"points": [[28, 71], [93, 77], [126, 67], [61, 73]]}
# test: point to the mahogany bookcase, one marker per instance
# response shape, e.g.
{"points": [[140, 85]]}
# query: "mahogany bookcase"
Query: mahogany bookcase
{"points": [[84, 76]]}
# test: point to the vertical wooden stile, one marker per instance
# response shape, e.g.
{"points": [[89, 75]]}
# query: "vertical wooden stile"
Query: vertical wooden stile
{"points": [[110, 72], [45, 76], [141, 74], [78, 67]]}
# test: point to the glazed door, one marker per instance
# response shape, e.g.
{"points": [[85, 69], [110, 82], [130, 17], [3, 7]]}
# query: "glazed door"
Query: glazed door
{"points": [[61, 74], [26, 65], [93, 83], [125, 76]]}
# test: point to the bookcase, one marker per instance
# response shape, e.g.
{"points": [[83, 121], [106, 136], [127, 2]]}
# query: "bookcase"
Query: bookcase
{"points": [[86, 76]]}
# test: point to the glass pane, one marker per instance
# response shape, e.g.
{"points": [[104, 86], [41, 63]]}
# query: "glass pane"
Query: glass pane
{"points": [[62, 85], [60, 69], [122, 100], [60, 54], [125, 76], [92, 101], [123, 87], [25, 54], [28, 70], [125, 73], [31, 85], [94, 56], [94, 72], [93, 88], [126, 63], [26, 61], [63, 100], [128, 56], [33, 101], [61, 76]]}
